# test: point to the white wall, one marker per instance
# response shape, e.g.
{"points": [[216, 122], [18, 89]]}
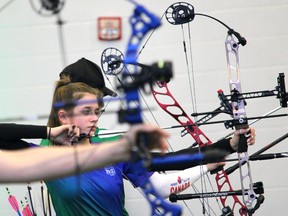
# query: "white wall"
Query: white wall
{"points": [[30, 61]]}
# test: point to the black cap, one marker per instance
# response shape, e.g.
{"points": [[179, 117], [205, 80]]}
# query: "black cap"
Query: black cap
{"points": [[87, 72]]}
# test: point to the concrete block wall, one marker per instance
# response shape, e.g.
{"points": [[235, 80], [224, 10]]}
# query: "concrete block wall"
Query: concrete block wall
{"points": [[31, 59]]}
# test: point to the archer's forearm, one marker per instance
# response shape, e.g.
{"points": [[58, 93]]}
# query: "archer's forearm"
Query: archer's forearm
{"points": [[54, 162]]}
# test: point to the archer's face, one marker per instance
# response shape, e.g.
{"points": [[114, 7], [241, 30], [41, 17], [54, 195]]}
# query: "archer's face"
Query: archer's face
{"points": [[86, 116]]}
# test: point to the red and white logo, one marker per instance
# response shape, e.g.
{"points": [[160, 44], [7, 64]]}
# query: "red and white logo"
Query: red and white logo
{"points": [[180, 185]]}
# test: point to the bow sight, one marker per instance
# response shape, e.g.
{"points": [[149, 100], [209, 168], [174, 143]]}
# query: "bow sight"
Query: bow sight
{"points": [[279, 92], [148, 75], [160, 71]]}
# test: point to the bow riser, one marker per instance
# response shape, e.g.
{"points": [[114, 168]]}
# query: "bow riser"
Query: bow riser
{"points": [[240, 118]]}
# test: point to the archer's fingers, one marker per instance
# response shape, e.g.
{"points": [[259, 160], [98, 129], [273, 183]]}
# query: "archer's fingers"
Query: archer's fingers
{"points": [[157, 136], [251, 135], [157, 140], [73, 133], [251, 139], [160, 141]]}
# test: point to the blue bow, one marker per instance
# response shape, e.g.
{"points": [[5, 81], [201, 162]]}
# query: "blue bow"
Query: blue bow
{"points": [[132, 81]]}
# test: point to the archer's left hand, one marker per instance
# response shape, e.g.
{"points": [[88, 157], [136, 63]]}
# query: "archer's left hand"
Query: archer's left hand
{"points": [[235, 139]]}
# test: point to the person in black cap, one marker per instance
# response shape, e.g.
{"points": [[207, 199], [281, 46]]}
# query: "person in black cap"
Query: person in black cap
{"points": [[87, 72]]}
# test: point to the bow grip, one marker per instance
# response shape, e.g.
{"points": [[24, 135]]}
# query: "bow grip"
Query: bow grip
{"points": [[242, 146], [140, 153]]}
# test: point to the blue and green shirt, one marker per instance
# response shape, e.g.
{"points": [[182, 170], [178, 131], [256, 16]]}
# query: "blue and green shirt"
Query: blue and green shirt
{"points": [[98, 192]]}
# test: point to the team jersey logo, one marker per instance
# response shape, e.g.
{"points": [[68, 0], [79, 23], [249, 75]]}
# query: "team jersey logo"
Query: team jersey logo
{"points": [[110, 170], [179, 185]]}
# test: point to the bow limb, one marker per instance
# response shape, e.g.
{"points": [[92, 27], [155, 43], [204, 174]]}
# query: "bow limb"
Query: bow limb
{"points": [[180, 115]]}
